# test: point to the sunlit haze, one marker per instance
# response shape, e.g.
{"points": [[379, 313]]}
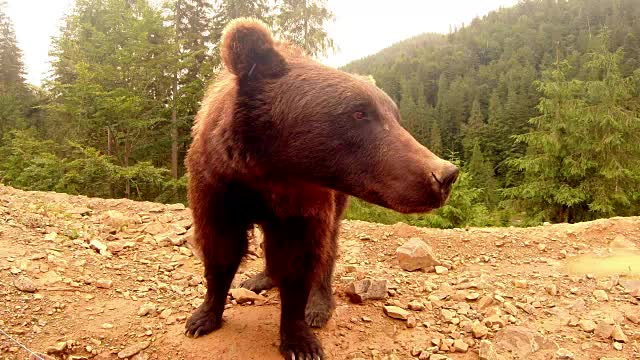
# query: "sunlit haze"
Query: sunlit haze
{"points": [[361, 27]]}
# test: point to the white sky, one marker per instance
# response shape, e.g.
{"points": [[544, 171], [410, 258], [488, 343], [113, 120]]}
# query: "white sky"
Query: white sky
{"points": [[361, 27]]}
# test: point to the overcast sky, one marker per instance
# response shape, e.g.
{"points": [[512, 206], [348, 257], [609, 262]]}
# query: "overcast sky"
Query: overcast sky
{"points": [[361, 27]]}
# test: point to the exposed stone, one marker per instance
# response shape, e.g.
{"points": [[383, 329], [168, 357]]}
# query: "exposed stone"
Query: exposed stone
{"points": [[603, 330], [460, 346], [551, 289], [411, 322], [487, 351], [359, 291], [25, 284], [618, 334], [58, 349], [104, 284], [396, 312], [98, 246], [587, 325], [563, 353], [632, 317], [441, 270], [520, 283], [242, 295], [495, 320], [415, 254], [154, 228], [146, 309], [485, 302], [601, 295], [479, 330], [438, 357], [133, 349], [524, 342], [116, 219], [115, 247], [416, 305]]}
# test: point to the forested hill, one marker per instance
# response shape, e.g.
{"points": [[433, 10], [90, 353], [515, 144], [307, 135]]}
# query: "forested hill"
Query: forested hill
{"points": [[539, 104], [467, 93]]}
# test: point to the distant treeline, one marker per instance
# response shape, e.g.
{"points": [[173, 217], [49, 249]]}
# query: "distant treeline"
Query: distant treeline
{"points": [[539, 103]]}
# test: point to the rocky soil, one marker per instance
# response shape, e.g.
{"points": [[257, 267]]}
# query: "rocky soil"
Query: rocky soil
{"points": [[88, 278]]}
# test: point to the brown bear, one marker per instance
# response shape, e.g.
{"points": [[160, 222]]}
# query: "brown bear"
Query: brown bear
{"points": [[281, 141]]}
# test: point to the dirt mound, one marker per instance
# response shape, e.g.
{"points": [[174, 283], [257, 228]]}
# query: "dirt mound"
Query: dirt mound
{"points": [[107, 279]]}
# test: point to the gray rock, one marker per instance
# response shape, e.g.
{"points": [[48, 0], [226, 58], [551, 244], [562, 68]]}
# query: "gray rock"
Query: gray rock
{"points": [[25, 284], [618, 334], [479, 331], [441, 270], [416, 305], [116, 219], [603, 330], [104, 283], [415, 254], [460, 346], [563, 353], [362, 290], [59, 348], [396, 312], [487, 351], [98, 246], [524, 342], [242, 295], [133, 349], [146, 309], [587, 325], [438, 357], [601, 295]]}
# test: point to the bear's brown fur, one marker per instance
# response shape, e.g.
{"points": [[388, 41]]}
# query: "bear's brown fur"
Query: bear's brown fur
{"points": [[281, 141]]}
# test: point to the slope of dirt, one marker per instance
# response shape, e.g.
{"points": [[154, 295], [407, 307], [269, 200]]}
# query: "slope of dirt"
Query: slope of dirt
{"points": [[559, 291]]}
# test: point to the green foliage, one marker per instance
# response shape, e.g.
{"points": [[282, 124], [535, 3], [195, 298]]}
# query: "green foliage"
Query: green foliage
{"points": [[303, 23], [477, 87], [128, 78], [30, 163], [583, 155]]}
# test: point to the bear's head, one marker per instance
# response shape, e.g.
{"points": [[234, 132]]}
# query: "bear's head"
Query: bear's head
{"points": [[296, 119]]}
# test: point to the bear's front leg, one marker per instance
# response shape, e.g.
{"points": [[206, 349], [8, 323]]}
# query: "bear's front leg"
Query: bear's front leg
{"points": [[298, 252], [223, 240]]}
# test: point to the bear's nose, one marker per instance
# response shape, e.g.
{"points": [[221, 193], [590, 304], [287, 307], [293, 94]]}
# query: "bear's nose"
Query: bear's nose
{"points": [[447, 176]]}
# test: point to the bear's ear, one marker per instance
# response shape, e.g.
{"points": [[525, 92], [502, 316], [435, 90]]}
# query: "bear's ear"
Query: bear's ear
{"points": [[248, 49]]}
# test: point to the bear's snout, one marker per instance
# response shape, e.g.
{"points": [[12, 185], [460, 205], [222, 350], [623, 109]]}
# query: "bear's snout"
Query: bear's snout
{"points": [[446, 177]]}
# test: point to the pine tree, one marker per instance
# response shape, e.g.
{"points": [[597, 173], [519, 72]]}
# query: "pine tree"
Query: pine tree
{"points": [[435, 140], [13, 90], [190, 28], [303, 23], [227, 10], [474, 130], [482, 176], [583, 154], [110, 78], [11, 66]]}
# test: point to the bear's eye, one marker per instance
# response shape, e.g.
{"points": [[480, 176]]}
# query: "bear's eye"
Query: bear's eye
{"points": [[359, 115]]}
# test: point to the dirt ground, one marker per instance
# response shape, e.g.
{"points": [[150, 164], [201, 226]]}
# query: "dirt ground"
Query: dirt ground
{"points": [[106, 279]]}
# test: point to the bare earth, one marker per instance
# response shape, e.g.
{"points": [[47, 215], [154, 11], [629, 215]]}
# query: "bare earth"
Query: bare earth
{"points": [[550, 292]]}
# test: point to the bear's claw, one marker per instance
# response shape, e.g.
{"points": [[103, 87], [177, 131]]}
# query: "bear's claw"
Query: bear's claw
{"points": [[201, 323]]}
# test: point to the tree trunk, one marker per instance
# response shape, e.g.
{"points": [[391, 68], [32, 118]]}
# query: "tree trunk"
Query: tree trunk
{"points": [[112, 191], [127, 149], [174, 130]]}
